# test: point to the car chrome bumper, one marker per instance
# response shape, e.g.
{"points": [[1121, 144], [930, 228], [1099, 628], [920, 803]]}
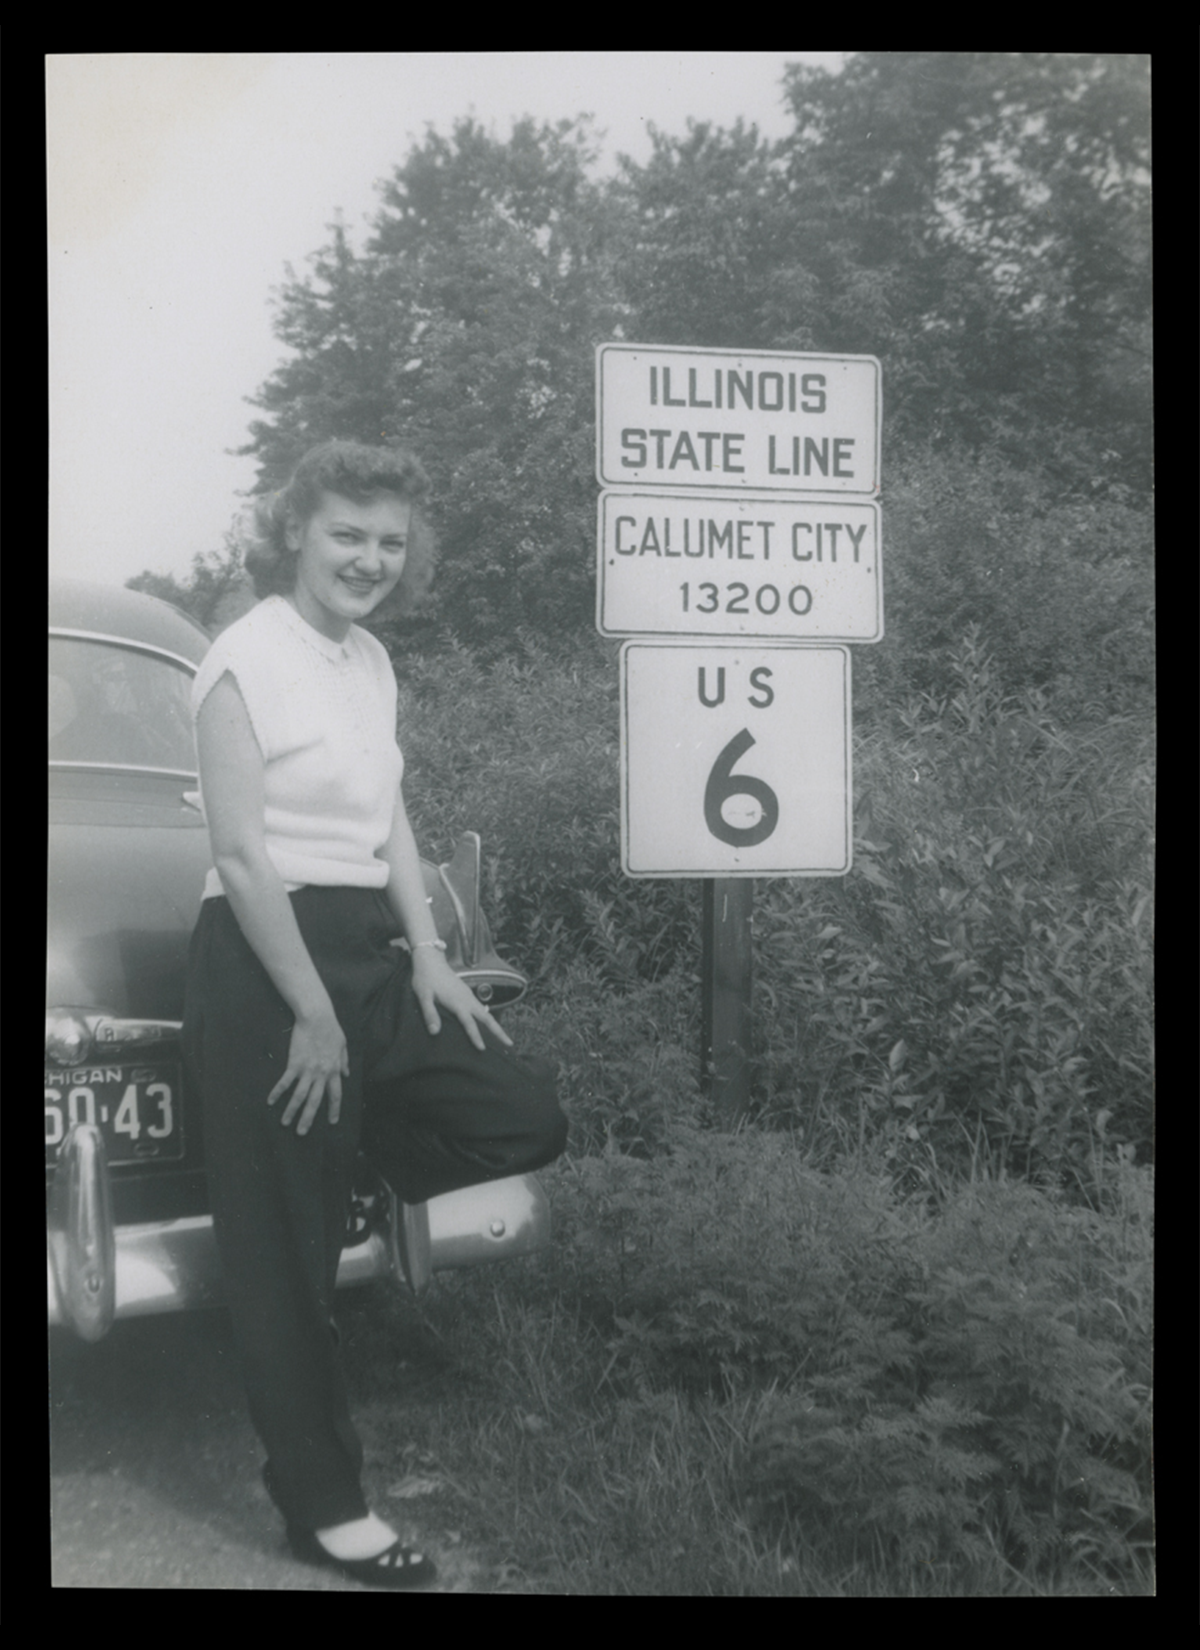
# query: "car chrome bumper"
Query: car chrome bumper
{"points": [[97, 1272], [495, 1221], [162, 1266]]}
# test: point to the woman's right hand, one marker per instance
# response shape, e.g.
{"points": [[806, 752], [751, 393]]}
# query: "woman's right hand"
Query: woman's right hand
{"points": [[318, 1059]]}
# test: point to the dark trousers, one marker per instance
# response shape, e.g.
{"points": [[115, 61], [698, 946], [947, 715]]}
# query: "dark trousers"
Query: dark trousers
{"points": [[433, 1112]]}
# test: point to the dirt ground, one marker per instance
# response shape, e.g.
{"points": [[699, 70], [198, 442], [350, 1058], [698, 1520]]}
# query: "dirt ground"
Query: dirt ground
{"points": [[155, 1472]]}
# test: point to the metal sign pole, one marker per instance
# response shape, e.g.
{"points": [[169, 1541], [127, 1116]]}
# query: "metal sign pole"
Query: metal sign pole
{"points": [[726, 964]]}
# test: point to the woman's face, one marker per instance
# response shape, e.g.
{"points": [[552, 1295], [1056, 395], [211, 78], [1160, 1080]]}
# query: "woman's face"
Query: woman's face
{"points": [[349, 558]]}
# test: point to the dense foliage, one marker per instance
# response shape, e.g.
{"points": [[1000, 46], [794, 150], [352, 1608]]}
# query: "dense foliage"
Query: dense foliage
{"points": [[927, 1386], [736, 1374], [983, 219], [981, 983]]}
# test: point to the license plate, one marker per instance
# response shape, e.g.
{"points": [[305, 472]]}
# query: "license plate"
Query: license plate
{"points": [[136, 1108]]}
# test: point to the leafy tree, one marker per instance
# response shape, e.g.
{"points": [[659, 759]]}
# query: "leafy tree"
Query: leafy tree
{"points": [[215, 592], [713, 259], [465, 330], [981, 221], [978, 220]]}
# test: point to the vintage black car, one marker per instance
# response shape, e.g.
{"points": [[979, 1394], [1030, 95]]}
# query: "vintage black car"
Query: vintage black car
{"points": [[128, 1228]]}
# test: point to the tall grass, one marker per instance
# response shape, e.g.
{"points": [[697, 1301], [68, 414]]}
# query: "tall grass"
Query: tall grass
{"points": [[738, 1374]]}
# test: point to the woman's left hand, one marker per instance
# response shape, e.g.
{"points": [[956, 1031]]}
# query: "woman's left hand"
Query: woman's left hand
{"points": [[434, 982]]}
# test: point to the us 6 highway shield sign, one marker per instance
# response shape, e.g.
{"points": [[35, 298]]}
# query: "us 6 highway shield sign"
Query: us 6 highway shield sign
{"points": [[735, 760]]}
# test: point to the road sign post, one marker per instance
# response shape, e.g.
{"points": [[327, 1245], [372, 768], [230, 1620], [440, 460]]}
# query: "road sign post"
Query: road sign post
{"points": [[726, 981], [738, 538]]}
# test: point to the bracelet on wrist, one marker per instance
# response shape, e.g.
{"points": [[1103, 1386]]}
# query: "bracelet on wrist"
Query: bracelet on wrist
{"points": [[438, 945]]}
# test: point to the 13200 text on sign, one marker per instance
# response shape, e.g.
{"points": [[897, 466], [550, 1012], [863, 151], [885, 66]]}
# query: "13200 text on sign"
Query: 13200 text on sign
{"points": [[732, 565]]}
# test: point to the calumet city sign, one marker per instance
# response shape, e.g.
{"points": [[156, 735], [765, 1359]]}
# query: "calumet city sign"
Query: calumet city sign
{"points": [[729, 564], [737, 530]]}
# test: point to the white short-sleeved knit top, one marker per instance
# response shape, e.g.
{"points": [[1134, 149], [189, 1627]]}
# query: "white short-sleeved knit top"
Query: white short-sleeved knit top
{"points": [[324, 715]]}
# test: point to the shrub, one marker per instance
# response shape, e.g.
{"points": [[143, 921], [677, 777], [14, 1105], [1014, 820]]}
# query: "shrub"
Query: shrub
{"points": [[525, 752], [983, 978], [628, 1060], [931, 1386], [1027, 1430], [979, 984], [1061, 588], [719, 1264]]}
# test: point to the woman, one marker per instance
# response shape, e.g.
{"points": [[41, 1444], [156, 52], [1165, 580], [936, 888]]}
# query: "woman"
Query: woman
{"points": [[306, 1032]]}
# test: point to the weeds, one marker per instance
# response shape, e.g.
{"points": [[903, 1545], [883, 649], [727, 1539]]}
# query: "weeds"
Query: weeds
{"points": [[737, 1374], [986, 973]]}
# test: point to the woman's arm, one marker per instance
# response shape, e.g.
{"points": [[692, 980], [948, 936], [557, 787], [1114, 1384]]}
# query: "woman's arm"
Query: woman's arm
{"points": [[434, 981], [231, 781]]}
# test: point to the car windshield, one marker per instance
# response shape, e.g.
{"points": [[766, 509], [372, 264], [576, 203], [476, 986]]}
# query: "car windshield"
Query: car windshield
{"points": [[116, 706]]}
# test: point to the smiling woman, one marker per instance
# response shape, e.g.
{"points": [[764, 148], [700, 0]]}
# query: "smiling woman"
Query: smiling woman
{"points": [[306, 1031], [349, 558], [356, 491]]}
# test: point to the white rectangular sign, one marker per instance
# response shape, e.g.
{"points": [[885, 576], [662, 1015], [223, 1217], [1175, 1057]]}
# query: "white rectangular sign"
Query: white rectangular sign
{"points": [[733, 419], [735, 760], [724, 564]]}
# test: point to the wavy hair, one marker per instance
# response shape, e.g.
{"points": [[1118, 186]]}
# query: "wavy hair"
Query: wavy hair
{"points": [[354, 471]]}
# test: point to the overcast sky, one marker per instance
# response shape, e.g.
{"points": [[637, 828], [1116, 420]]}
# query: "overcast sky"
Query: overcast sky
{"points": [[181, 184]]}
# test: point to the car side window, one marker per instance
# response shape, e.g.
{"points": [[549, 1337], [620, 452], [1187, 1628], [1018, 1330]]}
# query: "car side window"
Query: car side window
{"points": [[118, 706]]}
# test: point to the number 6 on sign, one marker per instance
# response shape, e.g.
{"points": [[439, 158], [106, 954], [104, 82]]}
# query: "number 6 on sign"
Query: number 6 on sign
{"points": [[724, 784], [722, 776]]}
